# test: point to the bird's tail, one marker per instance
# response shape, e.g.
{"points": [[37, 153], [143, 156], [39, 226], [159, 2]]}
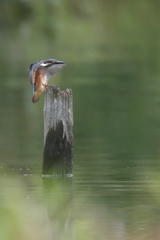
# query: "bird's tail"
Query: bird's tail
{"points": [[36, 97]]}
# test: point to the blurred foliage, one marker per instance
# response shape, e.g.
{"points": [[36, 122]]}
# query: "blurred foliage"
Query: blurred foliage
{"points": [[80, 30]]}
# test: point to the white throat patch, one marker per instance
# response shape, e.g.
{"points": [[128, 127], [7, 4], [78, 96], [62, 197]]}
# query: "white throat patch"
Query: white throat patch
{"points": [[44, 64]]}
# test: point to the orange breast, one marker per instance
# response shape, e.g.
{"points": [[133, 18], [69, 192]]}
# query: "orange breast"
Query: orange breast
{"points": [[39, 79]]}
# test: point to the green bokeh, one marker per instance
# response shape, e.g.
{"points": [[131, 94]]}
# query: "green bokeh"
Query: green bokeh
{"points": [[112, 50]]}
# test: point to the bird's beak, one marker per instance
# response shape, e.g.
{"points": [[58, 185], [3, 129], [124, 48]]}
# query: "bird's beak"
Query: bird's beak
{"points": [[59, 62]]}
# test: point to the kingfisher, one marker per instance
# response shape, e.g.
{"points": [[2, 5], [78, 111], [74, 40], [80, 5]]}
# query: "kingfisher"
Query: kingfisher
{"points": [[39, 74]]}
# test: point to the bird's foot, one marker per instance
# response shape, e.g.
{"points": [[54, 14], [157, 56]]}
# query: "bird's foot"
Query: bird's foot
{"points": [[45, 85]]}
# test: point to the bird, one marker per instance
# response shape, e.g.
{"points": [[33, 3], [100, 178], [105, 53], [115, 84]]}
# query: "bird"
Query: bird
{"points": [[39, 74]]}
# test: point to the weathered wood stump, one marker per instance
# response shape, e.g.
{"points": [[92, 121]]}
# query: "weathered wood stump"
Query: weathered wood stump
{"points": [[58, 132]]}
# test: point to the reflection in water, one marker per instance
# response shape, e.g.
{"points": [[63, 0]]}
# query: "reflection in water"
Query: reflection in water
{"points": [[109, 202], [57, 176], [60, 207]]}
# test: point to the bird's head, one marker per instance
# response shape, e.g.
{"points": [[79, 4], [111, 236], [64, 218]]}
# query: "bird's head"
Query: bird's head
{"points": [[47, 68], [46, 64], [50, 62]]}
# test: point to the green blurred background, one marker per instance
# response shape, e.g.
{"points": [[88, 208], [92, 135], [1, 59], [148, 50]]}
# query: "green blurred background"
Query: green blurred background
{"points": [[112, 49]]}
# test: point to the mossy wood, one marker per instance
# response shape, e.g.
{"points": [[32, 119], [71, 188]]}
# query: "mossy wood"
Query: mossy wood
{"points": [[58, 132]]}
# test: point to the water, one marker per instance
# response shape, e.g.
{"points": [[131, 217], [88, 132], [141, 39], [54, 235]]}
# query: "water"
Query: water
{"points": [[115, 188]]}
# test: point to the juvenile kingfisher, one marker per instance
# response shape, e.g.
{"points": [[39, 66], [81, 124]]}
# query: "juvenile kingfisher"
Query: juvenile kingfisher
{"points": [[39, 74]]}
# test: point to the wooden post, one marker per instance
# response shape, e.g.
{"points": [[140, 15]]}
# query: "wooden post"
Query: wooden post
{"points": [[58, 132]]}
